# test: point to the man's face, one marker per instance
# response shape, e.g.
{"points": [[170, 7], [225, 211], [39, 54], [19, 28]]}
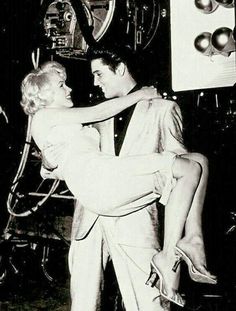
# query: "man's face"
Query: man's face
{"points": [[106, 79]]}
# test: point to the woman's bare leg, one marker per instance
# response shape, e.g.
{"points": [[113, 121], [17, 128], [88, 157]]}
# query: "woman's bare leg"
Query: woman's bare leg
{"points": [[188, 174], [192, 242]]}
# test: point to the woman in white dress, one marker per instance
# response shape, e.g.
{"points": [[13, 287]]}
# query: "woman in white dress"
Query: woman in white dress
{"points": [[106, 184]]}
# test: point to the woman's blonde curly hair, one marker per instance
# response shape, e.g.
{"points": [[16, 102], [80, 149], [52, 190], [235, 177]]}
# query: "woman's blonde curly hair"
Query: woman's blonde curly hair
{"points": [[34, 82]]}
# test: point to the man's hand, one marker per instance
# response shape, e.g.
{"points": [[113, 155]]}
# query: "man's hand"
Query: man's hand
{"points": [[51, 155], [50, 158], [46, 174]]}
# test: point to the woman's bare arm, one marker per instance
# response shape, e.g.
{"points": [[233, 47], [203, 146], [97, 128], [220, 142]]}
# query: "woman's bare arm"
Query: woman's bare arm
{"points": [[114, 106], [96, 113]]}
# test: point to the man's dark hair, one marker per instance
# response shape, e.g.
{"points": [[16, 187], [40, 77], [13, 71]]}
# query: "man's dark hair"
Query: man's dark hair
{"points": [[113, 56]]}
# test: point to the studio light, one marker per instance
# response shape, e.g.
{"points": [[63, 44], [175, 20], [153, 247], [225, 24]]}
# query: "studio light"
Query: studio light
{"points": [[222, 40], [206, 56], [203, 43], [206, 6]]}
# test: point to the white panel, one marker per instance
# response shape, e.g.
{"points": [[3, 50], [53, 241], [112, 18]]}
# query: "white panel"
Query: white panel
{"points": [[191, 69]]}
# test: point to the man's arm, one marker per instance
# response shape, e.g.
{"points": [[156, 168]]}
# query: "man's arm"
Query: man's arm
{"points": [[50, 155], [172, 130]]}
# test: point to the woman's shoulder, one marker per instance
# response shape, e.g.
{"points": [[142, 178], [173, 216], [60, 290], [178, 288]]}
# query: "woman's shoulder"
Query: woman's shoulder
{"points": [[47, 117], [41, 116]]}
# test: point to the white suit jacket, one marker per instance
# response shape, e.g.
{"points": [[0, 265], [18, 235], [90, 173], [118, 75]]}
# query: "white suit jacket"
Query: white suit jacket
{"points": [[154, 127]]}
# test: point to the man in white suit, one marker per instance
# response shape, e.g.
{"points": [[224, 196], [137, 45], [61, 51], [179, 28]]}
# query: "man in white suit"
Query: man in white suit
{"points": [[129, 241]]}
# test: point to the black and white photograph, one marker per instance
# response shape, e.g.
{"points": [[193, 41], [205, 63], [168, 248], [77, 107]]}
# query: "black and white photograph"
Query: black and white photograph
{"points": [[118, 155]]}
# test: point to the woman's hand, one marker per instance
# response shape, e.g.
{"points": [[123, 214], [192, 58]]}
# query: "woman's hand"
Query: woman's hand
{"points": [[149, 92]]}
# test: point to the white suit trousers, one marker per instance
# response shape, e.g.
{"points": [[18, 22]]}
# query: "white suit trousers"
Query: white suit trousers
{"points": [[87, 270]]}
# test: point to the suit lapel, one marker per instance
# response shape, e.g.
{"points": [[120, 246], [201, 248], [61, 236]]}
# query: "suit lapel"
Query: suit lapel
{"points": [[135, 128]]}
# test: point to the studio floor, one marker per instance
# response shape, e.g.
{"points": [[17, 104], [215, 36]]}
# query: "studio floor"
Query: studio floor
{"points": [[32, 282], [28, 284]]}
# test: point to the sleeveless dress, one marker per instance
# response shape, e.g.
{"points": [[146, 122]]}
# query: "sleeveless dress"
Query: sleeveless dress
{"points": [[106, 184]]}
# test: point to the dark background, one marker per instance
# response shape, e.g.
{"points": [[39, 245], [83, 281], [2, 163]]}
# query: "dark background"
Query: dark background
{"points": [[208, 128]]}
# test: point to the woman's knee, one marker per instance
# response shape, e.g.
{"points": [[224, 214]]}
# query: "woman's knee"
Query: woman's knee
{"points": [[188, 169], [195, 169], [198, 157], [201, 159]]}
